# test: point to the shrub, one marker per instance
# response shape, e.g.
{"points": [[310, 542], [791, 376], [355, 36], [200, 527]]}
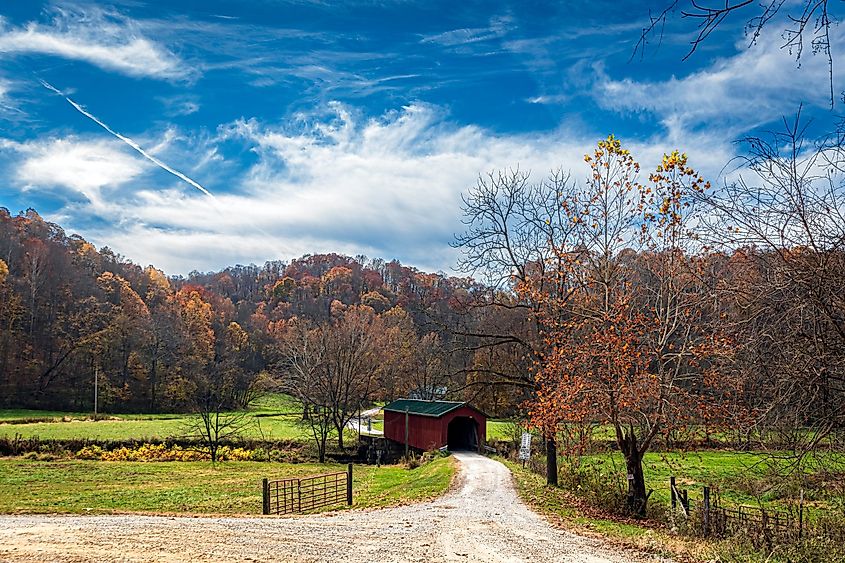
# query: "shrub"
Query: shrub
{"points": [[741, 548], [90, 452], [599, 484]]}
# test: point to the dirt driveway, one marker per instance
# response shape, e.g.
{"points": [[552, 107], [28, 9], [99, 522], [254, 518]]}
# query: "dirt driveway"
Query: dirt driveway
{"points": [[482, 519]]}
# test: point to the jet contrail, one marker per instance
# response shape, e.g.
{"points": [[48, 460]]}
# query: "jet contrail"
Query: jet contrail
{"points": [[128, 141]]}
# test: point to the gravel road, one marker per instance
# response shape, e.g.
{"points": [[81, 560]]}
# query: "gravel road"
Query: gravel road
{"points": [[481, 519]]}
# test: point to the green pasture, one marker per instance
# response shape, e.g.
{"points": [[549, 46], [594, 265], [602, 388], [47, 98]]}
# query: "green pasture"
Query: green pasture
{"points": [[746, 478], [275, 417], [140, 427], [37, 487]]}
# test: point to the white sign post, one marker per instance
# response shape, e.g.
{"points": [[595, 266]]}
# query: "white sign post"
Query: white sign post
{"points": [[525, 447]]}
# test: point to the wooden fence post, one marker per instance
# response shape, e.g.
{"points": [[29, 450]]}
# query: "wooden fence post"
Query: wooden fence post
{"points": [[672, 493], [706, 511], [349, 484], [265, 494], [801, 516]]}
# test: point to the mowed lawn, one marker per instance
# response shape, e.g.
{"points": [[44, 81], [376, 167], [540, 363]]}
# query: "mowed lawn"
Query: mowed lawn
{"points": [[194, 487]]}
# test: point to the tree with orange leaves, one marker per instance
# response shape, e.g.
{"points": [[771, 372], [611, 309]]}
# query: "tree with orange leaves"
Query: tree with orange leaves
{"points": [[631, 344]]}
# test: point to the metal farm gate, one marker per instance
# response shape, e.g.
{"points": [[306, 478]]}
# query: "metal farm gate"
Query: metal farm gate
{"points": [[294, 496]]}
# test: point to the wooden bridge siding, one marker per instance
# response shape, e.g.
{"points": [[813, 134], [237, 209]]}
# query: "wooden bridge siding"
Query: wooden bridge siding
{"points": [[428, 432], [424, 432]]}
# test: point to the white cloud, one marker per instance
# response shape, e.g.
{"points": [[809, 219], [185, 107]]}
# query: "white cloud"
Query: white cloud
{"points": [[5, 88], [549, 99], [103, 39], [387, 187], [81, 166], [734, 94], [498, 28], [10, 106]]}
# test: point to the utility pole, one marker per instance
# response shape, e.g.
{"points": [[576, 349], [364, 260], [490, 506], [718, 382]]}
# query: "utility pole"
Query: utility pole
{"points": [[96, 384]]}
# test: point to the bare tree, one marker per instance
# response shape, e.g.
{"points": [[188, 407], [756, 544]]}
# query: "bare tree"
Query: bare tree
{"points": [[217, 400], [787, 214], [517, 236], [213, 424], [303, 352], [332, 369]]}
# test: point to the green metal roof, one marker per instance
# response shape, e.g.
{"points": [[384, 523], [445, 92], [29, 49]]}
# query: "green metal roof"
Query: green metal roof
{"points": [[423, 408]]}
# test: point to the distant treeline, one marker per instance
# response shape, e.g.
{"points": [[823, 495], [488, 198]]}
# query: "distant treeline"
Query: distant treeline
{"points": [[69, 311]]}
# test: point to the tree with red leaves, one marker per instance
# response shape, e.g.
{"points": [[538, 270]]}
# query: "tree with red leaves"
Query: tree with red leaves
{"points": [[633, 343]]}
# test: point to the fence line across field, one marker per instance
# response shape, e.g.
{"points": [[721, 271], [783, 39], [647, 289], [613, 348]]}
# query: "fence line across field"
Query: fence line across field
{"points": [[717, 519], [298, 495]]}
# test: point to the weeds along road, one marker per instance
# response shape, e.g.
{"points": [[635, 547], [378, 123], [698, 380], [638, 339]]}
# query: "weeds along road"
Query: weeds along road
{"points": [[480, 519]]}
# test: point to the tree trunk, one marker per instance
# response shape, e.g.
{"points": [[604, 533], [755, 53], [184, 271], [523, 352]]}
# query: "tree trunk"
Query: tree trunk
{"points": [[321, 453], [339, 436], [551, 461], [637, 496], [153, 370]]}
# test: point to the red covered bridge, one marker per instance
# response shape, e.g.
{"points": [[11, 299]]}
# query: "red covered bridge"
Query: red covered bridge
{"points": [[433, 424]]}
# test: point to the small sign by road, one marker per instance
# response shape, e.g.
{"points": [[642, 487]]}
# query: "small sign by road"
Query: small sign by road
{"points": [[525, 446]]}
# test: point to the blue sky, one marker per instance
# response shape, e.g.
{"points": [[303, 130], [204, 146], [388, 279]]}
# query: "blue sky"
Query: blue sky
{"points": [[351, 126]]}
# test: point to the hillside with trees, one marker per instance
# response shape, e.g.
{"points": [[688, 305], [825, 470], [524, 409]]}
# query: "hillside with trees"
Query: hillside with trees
{"points": [[70, 311]]}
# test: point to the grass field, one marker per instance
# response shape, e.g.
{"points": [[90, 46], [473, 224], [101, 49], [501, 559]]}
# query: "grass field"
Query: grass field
{"points": [[275, 416], [738, 477], [193, 487], [135, 428], [499, 429]]}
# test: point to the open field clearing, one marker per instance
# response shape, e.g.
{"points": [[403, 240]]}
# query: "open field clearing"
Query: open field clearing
{"points": [[122, 427], [193, 487], [274, 417], [482, 519]]}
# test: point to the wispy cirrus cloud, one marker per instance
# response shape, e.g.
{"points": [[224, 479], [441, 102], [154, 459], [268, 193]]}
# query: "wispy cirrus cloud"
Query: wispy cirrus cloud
{"points": [[102, 38], [497, 29], [6, 104], [736, 93], [331, 180], [178, 105]]}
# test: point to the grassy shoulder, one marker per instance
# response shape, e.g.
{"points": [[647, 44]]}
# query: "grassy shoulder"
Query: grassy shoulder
{"points": [[569, 512], [229, 488]]}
